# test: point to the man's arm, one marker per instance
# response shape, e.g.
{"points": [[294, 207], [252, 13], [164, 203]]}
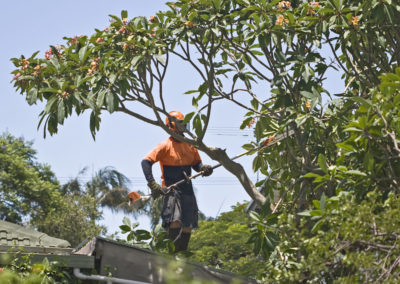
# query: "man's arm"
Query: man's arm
{"points": [[156, 189], [148, 173], [206, 169]]}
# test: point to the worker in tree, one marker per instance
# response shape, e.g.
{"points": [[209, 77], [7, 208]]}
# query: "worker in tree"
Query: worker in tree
{"points": [[179, 212]]}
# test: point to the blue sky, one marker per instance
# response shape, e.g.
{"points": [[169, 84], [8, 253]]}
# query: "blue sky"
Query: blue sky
{"points": [[29, 26]]}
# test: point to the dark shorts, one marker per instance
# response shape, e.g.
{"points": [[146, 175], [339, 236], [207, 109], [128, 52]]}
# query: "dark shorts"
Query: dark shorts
{"points": [[179, 207]]}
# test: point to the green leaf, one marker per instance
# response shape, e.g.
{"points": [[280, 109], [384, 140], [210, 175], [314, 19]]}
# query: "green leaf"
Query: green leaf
{"points": [[55, 63], [309, 95], [245, 123], [317, 225], [322, 201], [32, 96], [316, 212], [125, 228], [191, 92], [61, 112], [322, 163], [217, 4], [83, 54], [112, 78], [188, 117], [160, 58], [248, 147], [304, 213], [126, 221], [100, 98], [254, 216], [197, 125], [356, 172], [365, 102], [50, 103], [345, 146], [353, 129], [142, 235], [94, 123], [110, 102], [124, 14], [136, 60], [312, 175]]}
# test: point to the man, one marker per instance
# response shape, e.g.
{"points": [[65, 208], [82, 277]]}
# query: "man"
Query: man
{"points": [[179, 212]]}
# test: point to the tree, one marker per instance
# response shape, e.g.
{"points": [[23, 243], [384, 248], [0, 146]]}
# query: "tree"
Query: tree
{"points": [[77, 218], [223, 243], [342, 143], [27, 188], [107, 188], [30, 193]]}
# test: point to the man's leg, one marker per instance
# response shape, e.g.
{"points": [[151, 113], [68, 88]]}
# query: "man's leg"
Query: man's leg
{"points": [[180, 236], [174, 231], [184, 239]]}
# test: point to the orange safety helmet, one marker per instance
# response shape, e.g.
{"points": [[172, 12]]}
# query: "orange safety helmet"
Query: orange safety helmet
{"points": [[178, 115]]}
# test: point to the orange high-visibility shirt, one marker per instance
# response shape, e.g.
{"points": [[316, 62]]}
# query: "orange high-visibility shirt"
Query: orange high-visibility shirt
{"points": [[175, 157]]}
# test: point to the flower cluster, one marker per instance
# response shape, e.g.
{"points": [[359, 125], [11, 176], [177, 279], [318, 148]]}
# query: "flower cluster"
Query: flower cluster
{"points": [[189, 24], [75, 39], [16, 77], [315, 4], [283, 4], [94, 65], [250, 124], [281, 19], [355, 21], [37, 70], [64, 95], [24, 64], [122, 30], [48, 54], [312, 7]]}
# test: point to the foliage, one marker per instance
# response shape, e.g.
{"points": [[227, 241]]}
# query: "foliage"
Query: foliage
{"points": [[355, 242], [70, 220], [223, 243], [27, 188], [156, 240], [20, 269], [77, 216]]}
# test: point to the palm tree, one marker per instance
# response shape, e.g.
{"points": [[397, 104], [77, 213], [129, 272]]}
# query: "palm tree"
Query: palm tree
{"points": [[107, 188]]}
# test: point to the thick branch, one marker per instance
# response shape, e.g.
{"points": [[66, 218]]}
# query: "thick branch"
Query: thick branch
{"points": [[236, 169]]}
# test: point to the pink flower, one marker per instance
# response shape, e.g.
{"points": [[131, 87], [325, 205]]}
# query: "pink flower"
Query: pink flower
{"points": [[17, 76], [48, 54], [313, 3]]}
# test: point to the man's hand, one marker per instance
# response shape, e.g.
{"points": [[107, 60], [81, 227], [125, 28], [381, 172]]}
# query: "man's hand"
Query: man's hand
{"points": [[207, 170], [156, 189]]}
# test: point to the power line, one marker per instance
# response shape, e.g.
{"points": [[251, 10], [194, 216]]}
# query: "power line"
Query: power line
{"points": [[211, 181]]}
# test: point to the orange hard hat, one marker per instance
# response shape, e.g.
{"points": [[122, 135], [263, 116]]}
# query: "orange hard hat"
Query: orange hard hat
{"points": [[178, 115]]}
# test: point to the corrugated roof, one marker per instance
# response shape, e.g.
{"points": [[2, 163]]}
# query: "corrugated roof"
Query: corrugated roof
{"points": [[15, 235]]}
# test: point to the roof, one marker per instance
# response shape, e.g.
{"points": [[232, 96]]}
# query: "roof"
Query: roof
{"points": [[16, 238], [127, 261], [15, 235]]}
